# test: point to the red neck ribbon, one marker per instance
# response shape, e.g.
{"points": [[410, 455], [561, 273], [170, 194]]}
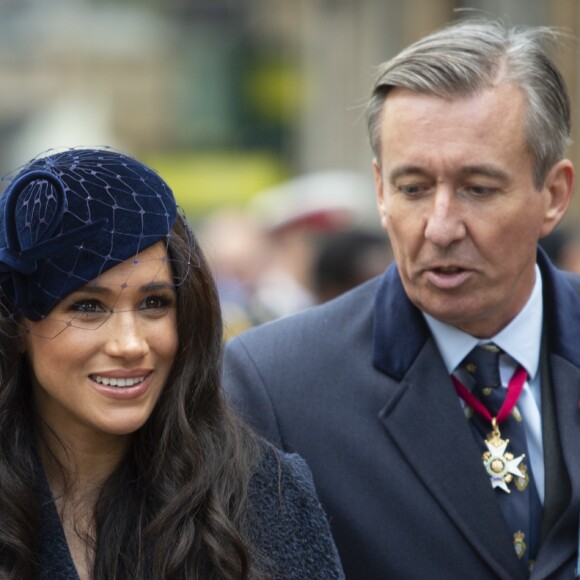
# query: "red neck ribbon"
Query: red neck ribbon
{"points": [[514, 390]]}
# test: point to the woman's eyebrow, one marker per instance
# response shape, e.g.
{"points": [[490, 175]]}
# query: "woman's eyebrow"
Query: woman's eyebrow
{"points": [[93, 289], [98, 290], [158, 286]]}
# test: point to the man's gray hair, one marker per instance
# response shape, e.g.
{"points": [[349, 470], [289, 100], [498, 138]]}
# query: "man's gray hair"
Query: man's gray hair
{"points": [[470, 56]]}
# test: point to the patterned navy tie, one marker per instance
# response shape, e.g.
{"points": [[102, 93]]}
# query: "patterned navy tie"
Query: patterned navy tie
{"points": [[521, 507]]}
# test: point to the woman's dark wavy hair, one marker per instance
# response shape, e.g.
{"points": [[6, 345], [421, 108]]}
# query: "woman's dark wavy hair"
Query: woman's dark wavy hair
{"points": [[175, 507]]}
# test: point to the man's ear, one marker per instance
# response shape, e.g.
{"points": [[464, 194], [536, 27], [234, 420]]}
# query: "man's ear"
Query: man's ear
{"points": [[559, 185], [380, 192]]}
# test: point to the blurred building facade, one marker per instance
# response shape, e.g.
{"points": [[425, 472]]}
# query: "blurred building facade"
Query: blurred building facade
{"points": [[226, 97]]}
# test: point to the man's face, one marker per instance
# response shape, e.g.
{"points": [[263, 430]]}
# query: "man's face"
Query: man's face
{"points": [[457, 198]]}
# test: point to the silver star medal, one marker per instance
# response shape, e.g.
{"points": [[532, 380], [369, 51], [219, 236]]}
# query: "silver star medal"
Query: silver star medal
{"points": [[500, 466]]}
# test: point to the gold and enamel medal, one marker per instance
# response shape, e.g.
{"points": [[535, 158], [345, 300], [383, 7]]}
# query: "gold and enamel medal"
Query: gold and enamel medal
{"points": [[500, 464]]}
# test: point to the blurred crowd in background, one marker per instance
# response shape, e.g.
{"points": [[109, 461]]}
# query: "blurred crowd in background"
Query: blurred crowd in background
{"points": [[294, 246], [252, 110]]}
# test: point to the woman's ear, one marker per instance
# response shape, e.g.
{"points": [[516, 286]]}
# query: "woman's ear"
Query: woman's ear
{"points": [[22, 339]]}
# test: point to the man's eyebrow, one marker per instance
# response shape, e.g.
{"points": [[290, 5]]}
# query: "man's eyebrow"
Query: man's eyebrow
{"points": [[404, 170], [485, 170]]}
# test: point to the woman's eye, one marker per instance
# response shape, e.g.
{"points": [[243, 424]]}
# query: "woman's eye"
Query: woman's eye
{"points": [[156, 302], [87, 307]]}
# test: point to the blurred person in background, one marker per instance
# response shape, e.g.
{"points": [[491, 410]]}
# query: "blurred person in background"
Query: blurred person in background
{"points": [[297, 216], [346, 259], [563, 247], [120, 458], [264, 255], [238, 251], [285, 286], [437, 405]]}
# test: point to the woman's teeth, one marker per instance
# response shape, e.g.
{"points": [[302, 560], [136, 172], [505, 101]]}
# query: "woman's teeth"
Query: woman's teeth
{"points": [[112, 382]]}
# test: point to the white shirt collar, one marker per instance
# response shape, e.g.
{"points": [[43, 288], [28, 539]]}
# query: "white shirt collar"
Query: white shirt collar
{"points": [[521, 338]]}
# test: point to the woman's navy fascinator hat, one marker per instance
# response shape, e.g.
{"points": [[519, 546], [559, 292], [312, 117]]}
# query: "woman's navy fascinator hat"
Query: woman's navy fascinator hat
{"points": [[67, 217]]}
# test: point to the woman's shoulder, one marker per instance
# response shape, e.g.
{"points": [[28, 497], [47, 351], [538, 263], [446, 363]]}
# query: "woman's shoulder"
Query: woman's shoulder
{"points": [[288, 525], [278, 467]]}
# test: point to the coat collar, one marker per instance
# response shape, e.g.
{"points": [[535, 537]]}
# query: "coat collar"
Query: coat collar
{"points": [[400, 331]]}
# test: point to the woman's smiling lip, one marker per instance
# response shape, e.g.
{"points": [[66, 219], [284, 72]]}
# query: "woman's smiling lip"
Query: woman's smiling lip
{"points": [[122, 384]]}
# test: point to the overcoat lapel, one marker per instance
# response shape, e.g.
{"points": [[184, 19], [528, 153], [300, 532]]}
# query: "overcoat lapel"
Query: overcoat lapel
{"points": [[426, 421], [561, 542], [562, 321], [567, 382]]}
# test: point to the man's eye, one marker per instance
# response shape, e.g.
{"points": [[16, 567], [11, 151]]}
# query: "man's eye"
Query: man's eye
{"points": [[412, 189], [480, 190]]}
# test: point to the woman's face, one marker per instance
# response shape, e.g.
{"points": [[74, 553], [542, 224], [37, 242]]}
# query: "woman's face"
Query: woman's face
{"points": [[101, 357]]}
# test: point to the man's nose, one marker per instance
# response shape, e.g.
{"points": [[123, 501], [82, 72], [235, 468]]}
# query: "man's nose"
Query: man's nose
{"points": [[444, 220]]}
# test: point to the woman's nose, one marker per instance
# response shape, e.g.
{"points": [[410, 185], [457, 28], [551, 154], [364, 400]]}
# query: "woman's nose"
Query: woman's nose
{"points": [[126, 337]]}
